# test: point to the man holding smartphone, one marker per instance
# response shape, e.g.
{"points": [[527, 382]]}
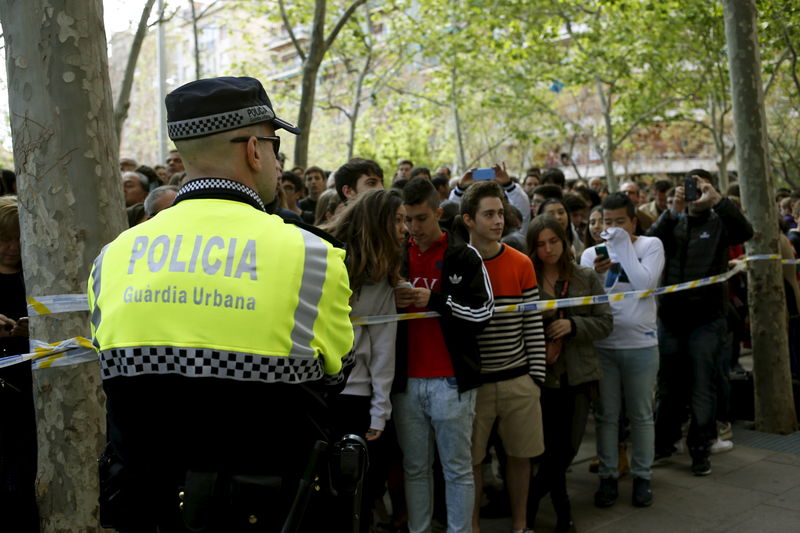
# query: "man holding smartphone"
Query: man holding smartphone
{"points": [[629, 356], [438, 362], [691, 324]]}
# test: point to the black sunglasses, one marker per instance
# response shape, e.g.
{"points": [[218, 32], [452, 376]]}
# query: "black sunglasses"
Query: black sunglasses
{"points": [[276, 141]]}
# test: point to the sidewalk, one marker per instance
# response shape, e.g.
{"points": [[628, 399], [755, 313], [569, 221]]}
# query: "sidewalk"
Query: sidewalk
{"points": [[749, 490]]}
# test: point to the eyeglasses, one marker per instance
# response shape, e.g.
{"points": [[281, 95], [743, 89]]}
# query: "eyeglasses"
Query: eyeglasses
{"points": [[276, 141]]}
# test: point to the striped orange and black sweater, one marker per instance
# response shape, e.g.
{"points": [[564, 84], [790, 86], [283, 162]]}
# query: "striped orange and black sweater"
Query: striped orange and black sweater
{"points": [[513, 343]]}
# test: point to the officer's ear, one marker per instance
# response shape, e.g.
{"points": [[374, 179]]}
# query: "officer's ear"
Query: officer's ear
{"points": [[254, 158]]}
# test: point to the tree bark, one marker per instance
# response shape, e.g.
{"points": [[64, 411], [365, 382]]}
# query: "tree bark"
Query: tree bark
{"points": [[462, 156], [197, 69], [66, 158], [317, 48], [124, 97], [607, 153], [362, 75], [774, 408]]}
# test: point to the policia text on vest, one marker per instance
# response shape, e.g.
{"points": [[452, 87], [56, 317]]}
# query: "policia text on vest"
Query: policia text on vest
{"points": [[218, 288], [170, 253]]}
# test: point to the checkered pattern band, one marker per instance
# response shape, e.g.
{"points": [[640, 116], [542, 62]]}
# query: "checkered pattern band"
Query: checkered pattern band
{"points": [[191, 188], [204, 362], [198, 127]]}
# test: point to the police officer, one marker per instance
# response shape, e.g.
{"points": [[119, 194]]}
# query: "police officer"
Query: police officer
{"points": [[218, 326]]}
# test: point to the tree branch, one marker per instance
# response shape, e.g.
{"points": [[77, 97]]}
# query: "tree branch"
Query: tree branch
{"points": [[290, 31], [162, 19], [398, 90], [340, 23], [336, 107], [641, 118], [488, 150], [124, 96], [777, 67]]}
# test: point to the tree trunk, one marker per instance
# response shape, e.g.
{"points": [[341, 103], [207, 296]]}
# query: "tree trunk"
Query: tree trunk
{"points": [[317, 48], [774, 407], [608, 152], [316, 51], [306, 113], [124, 96], [462, 156], [71, 204], [197, 70], [357, 104]]}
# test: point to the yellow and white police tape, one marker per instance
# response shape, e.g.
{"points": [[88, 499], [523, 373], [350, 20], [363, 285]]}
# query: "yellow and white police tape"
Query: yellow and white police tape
{"points": [[79, 349], [64, 353]]}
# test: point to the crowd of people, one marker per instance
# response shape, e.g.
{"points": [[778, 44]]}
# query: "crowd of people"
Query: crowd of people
{"points": [[434, 396]]}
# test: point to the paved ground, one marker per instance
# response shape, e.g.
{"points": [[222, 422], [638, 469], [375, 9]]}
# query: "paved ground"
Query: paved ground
{"points": [[749, 490], [754, 488]]}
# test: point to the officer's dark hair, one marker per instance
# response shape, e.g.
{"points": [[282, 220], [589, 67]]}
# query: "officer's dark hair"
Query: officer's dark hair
{"points": [[549, 191], [294, 179], [554, 176], [416, 171], [662, 185], [349, 173], [617, 200], [420, 190], [477, 192]]}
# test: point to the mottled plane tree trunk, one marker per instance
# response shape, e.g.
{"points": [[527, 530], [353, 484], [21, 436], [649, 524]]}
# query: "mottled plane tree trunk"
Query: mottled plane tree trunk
{"points": [[774, 407], [66, 159]]}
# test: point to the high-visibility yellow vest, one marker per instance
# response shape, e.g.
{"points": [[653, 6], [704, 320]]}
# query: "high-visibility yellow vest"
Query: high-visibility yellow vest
{"points": [[217, 288]]}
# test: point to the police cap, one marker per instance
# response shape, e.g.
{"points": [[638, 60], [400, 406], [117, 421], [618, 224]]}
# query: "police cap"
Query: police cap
{"points": [[213, 105]]}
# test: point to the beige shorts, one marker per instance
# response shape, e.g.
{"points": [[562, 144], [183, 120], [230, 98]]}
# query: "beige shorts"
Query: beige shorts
{"points": [[515, 403]]}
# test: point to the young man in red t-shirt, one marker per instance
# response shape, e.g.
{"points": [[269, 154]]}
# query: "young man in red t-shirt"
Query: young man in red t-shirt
{"points": [[438, 363], [512, 353]]}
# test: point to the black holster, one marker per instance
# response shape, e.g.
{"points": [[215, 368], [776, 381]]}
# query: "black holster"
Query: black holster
{"points": [[213, 501]]}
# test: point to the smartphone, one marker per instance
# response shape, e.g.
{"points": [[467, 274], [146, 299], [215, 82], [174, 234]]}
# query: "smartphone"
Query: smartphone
{"points": [[690, 192], [483, 174], [404, 285], [601, 250]]}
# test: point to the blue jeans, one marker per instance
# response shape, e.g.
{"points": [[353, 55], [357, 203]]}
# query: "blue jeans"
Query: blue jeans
{"points": [[630, 373], [690, 367], [432, 410]]}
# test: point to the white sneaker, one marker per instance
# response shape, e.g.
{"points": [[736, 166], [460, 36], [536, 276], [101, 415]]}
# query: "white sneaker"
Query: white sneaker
{"points": [[721, 446]]}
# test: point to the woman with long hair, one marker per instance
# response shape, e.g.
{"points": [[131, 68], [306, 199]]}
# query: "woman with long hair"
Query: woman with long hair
{"points": [[557, 209], [573, 368], [372, 228]]}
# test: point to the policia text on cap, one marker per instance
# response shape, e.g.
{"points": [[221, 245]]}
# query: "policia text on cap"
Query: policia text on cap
{"points": [[218, 328]]}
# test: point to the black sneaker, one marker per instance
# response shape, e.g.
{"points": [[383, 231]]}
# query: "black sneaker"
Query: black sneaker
{"points": [[701, 466], [607, 493], [642, 493]]}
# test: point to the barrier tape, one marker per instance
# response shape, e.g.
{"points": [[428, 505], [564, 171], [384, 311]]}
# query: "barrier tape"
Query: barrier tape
{"points": [[69, 352], [66, 303], [80, 349], [547, 305]]}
